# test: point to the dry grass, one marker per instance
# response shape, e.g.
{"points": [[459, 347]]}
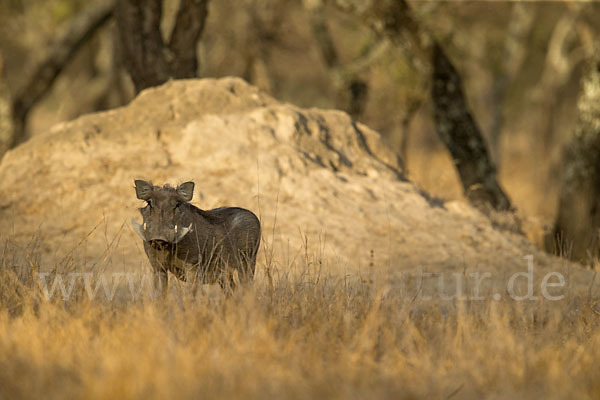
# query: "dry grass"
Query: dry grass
{"points": [[307, 336]]}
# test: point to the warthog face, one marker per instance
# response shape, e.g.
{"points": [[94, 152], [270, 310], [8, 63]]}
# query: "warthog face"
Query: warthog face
{"points": [[166, 216]]}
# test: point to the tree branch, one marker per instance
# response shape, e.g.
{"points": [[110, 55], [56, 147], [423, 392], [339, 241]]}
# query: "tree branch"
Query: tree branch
{"points": [[82, 28]]}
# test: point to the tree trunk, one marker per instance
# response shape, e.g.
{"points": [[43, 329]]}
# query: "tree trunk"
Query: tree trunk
{"points": [[6, 119], [148, 59], [461, 135], [142, 47], [577, 228], [189, 25]]}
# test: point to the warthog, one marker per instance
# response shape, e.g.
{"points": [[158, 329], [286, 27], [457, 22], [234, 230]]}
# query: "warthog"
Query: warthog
{"points": [[211, 246]]}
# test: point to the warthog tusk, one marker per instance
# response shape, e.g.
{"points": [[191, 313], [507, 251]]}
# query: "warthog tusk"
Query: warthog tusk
{"points": [[180, 234], [138, 228]]}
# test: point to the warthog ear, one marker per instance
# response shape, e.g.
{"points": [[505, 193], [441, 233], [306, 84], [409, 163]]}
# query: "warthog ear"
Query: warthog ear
{"points": [[186, 190], [142, 189]]}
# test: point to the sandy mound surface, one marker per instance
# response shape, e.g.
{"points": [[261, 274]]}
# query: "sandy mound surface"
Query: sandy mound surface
{"points": [[324, 187]]}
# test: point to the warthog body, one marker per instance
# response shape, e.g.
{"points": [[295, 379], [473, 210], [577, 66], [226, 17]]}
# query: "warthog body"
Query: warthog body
{"points": [[211, 246]]}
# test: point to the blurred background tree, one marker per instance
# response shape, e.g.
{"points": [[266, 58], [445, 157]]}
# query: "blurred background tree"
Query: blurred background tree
{"points": [[520, 66], [149, 59], [577, 228]]}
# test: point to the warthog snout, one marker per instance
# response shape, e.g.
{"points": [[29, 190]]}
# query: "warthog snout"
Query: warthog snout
{"points": [[178, 233]]}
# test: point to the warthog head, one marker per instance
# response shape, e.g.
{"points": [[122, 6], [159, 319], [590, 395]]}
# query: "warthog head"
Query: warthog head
{"points": [[167, 218]]}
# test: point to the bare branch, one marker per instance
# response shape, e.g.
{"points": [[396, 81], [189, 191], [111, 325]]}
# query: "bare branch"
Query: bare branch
{"points": [[81, 29], [373, 54], [558, 65], [558, 70]]}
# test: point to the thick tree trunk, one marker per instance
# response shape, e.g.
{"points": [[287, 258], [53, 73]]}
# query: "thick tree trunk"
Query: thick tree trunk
{"points": [[142, 47], [187, 31], [148, 59], [577, 228], [461, 135]]}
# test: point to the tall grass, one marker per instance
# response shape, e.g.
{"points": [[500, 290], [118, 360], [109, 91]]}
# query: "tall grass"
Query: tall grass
{"points": [[298, 336]]}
